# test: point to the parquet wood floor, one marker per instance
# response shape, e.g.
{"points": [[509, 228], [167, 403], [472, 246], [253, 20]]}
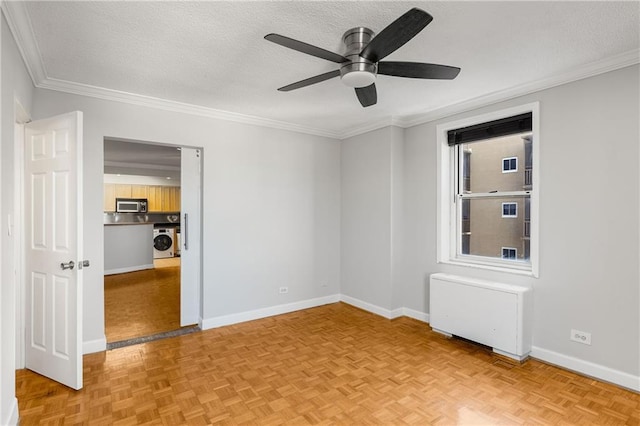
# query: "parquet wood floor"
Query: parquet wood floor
{"points": [[142, 303], [333, 364]]}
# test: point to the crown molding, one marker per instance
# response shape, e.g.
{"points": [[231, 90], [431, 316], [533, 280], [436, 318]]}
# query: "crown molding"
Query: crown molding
{"points": [[369, 127], [612, 63], [174, 106], [20, 25], [22, 30]]}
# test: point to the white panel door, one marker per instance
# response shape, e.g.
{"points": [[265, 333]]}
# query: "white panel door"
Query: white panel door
{"points": [[190, 236], [53, 239]]}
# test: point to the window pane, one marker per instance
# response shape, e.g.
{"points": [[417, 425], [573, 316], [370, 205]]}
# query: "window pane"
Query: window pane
{"points": [[484, 162], [509, 210], [509, 253], [486, 232]]}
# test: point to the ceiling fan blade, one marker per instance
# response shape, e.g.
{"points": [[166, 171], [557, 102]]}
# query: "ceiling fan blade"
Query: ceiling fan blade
{"points": [[396, 34], [418, 70], [305, 48], [309, 81], [367, 95]]}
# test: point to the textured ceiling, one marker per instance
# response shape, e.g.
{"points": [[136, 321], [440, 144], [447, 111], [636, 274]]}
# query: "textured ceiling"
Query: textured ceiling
{"points": [[213, 55]]}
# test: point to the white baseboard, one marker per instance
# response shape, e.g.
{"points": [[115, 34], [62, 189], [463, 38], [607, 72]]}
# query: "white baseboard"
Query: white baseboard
{"points": [[223, 320], [128, 269], [417, 315], [370, 307], [13, 416], [383, 312], [92, 346], [587, 368]]}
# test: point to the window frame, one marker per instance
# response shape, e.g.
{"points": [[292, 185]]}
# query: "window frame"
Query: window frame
{"points": [[449, 234], [510, 216], [510, 170], [515, 251]]}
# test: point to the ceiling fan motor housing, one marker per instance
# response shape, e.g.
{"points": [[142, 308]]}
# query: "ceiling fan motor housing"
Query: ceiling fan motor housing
{"points": [[358, 72]]}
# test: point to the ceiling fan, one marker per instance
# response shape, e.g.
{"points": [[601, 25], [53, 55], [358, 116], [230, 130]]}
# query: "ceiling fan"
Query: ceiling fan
{"points": [[364, 51]]}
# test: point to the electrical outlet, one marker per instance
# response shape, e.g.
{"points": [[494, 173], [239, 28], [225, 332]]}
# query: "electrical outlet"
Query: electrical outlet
{"points": [[581, 337], [284, 290]]}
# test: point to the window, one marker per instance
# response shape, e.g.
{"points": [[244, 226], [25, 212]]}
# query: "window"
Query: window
{"points": [[482, 190], [509, 209], [509, 253], [510, 165]]}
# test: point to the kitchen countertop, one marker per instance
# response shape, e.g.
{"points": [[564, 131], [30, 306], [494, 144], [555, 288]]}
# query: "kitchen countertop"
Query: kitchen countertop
{"points": [[128, 223]]}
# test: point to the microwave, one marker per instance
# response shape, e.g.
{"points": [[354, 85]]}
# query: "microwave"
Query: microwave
{"points": [[131, 205]]}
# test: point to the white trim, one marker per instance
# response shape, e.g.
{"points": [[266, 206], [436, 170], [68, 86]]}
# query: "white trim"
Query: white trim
{"points": [[587, 368], [22, 30], [612, 63], [471, 262], [13, 417], [383, 312], [510, 216], [20, 26], [369, 307], [582, 367], [515, 251], [179, 107], [446, 212], [21, 116], [129, 269], [416, 315], [223, 320], [510, 170], [93, 346]]}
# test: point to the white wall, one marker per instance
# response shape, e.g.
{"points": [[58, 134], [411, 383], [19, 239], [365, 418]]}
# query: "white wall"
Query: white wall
{"points": [[589, 211], [271, 205], [16, 84]]}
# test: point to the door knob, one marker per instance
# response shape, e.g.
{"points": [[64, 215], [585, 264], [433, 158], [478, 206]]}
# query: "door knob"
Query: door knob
{"points": [[68, 265]]}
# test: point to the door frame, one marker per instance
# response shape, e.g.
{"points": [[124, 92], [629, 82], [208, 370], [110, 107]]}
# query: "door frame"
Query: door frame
{"points": [[21, 117], [198, 294]]}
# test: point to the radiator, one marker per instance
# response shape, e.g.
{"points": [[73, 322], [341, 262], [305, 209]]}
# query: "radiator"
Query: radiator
{"points": [[493, 314]]}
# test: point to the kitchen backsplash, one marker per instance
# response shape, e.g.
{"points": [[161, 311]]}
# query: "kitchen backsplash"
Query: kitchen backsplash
{"points": [[173, 217]]}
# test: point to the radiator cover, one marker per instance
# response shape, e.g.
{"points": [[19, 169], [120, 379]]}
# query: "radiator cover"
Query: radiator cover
{"points": [[493, 314]]}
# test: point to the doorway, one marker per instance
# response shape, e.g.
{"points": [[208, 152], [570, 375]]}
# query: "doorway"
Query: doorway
{"points": [[146, 290]]}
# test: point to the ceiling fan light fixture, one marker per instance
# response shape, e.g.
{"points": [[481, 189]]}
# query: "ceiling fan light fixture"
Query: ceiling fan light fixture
{"points": [[362, 60], [358, 78]]}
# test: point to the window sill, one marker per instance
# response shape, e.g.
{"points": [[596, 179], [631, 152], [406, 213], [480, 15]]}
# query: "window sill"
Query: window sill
{"points": [[525, 270]]}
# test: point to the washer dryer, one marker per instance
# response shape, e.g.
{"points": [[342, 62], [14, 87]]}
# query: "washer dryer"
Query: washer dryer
{"points": [[164, 242]]}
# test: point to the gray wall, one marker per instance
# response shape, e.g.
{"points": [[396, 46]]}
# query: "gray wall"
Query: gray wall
{"points": [[273, 215], [366, 218], [589, 214], [16, 85], [271, 205]]}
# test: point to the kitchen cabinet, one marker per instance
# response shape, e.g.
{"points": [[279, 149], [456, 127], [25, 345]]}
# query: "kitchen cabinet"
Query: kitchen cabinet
{"points": [[170, 199], [123, 190], [161, 198], [139, 191], [155, 198], [109, 197]]}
